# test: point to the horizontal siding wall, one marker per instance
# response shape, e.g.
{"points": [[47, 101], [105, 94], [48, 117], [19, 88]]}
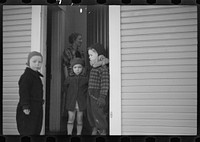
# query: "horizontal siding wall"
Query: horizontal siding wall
{"points": [[16, 46], [159, 70]]}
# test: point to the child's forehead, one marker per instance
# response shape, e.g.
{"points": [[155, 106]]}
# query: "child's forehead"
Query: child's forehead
{"points": [[77, 65], [36, 57], [92, 50]]}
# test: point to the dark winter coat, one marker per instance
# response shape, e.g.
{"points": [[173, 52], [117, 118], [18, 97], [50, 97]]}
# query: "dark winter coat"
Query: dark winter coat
{"points": [[30, 97], [76, 90]]}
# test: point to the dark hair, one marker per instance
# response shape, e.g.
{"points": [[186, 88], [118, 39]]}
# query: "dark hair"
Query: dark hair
{"points": [[73, 37], [98, 48]]}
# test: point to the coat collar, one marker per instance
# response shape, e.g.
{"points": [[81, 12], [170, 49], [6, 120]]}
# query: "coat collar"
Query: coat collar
{"points": [[35, 73]]}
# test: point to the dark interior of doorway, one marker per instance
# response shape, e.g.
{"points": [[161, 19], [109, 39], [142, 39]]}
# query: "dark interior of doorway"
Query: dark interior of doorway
{"points": [[97, 31], [48, 71]]}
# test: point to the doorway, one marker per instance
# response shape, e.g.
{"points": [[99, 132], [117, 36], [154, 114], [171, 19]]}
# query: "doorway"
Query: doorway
{"points": [[55, 43], [62, 21]]}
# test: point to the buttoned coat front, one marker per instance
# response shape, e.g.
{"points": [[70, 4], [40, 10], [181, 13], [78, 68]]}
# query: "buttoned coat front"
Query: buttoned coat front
{"points": [[76, 89]]}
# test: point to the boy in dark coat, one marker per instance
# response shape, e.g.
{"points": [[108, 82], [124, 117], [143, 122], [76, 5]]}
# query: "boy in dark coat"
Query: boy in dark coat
{"points": [[76, 86], [29, 110], [98, 90]]}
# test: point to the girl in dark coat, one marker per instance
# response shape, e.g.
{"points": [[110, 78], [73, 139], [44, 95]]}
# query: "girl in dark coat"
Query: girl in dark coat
{"points": [[29, 110], [76, 86]]}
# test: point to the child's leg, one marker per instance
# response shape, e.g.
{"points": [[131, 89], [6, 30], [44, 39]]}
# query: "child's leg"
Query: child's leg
{"points": [[71, 117], [79, 122]]}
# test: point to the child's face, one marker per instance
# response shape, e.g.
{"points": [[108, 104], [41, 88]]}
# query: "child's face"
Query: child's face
{"points": [[77, 69], [35, 63], [93, 56]]}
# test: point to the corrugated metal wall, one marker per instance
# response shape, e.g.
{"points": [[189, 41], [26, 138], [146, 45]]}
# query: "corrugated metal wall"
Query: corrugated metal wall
{"points": [[16, 45], [159, 70]]}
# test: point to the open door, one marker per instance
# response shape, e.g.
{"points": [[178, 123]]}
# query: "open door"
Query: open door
{"points": [[62, 21], [55, 43]]}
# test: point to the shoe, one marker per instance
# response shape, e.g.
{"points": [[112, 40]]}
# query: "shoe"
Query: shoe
{"points": [[94, 131], [102, 132]]}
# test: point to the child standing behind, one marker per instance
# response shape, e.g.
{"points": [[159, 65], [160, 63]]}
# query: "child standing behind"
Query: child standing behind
{"points": [[29, 110], [76, 86], [98, 90]]}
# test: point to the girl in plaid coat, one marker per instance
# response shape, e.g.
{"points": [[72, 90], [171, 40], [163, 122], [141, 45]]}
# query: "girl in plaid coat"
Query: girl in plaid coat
{"points": [[98, 91]]}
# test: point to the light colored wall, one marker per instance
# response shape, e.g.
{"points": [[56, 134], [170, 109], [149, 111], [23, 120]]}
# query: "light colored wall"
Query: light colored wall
{"points": [[115, 70], [24, 30], [16, 46], [159, 70]]}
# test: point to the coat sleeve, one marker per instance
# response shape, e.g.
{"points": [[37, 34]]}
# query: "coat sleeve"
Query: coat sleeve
{"points": [[24, 91], [66, 84], [104, 83], [67, 56]]}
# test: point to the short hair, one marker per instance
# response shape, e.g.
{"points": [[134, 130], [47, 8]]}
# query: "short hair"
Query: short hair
{"points": [[90, 48], [73, 37], [100, 50]]}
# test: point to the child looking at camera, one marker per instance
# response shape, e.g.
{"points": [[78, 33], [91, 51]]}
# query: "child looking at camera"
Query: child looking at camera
{"points": [[29, 110], [76, 85]]}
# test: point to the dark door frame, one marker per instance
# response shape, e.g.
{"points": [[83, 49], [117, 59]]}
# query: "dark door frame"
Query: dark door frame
{"points": [[48, 70], [54, 40]]}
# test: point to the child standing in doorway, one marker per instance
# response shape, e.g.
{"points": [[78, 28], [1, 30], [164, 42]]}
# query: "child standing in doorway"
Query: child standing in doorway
{"points": [[29, 110], [98, 91], [76, 86]]}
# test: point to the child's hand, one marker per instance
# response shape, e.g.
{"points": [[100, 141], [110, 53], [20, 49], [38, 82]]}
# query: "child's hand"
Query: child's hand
{"points": [[101, 102], [26, 111]]}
